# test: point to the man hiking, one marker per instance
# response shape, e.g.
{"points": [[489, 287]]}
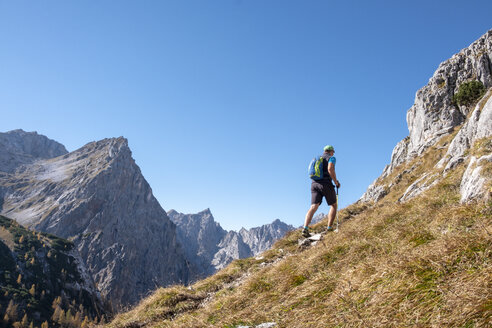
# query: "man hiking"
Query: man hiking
{"points": [[324, 188]]}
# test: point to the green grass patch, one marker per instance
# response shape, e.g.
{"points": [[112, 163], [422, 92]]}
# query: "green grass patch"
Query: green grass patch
{"points": [[421, 238]]}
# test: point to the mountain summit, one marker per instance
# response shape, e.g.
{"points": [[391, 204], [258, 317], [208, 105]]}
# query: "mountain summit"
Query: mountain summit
{"points": [[20, 147], [97, 197], [436, 114]]}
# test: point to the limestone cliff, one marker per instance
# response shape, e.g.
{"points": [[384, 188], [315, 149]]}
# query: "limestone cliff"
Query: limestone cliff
{"points": [[434, 115]]}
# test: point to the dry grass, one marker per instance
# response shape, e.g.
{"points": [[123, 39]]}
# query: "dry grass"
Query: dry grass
{"points": [[422, 263]]}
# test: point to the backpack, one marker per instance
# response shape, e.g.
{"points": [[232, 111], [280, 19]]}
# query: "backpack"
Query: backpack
{"points": [[315, 169]]}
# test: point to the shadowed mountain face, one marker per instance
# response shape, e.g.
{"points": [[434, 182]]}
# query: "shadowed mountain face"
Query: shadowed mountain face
{"points": [[98, 197], [209, 248]]}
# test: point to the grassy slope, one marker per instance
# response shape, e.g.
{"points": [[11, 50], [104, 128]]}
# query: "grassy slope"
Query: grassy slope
{"points": [[425, 262]]}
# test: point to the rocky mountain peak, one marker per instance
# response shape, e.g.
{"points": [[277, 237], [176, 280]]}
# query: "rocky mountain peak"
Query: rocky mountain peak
{"points": [[19, 147], [98, 197], [434, 115], [210, 248]]}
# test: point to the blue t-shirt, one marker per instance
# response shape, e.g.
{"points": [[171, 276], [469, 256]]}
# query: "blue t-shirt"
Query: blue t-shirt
{"points": [[326, 176]]}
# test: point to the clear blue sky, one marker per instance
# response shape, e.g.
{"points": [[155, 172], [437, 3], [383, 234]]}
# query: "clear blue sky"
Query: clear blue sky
{"points": [[224, 103]]}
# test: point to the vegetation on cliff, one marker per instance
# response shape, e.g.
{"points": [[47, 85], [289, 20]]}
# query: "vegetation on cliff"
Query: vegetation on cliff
{"points": [[40, 281]]}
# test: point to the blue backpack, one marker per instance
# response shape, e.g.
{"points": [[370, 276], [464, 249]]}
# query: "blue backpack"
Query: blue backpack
{"points": [[315, 169]]}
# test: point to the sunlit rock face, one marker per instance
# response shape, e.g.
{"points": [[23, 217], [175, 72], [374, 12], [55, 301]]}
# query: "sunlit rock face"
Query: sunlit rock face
{"points": [[434, 115]]}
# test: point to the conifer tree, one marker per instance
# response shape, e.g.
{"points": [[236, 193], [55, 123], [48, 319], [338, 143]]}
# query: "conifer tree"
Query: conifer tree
{"points": [[25, 321], [12, 310], [56, 302], [68, 318], [44, 324], [56, 314], [61, 317], [85, 323], [77, 320]]}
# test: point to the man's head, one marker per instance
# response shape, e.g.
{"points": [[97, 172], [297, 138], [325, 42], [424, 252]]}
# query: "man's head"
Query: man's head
{"points": [[329, 149]]}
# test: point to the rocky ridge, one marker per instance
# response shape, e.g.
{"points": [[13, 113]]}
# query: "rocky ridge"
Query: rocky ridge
{"points": [[97, 197], [209, 247], [435, 115], [20, 147]]}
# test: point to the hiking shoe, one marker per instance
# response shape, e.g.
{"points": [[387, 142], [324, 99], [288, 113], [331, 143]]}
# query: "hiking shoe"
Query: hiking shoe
{"points": [[330, 229], [305, 233]]}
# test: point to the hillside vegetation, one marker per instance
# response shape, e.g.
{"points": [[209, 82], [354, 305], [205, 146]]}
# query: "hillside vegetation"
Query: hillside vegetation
{"points": [[425, 262], [40, 281]]}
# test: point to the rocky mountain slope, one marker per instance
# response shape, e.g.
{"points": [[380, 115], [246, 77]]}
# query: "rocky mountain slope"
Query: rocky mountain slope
{"points": [[41, 274], [209, 248], [416, 251], [20, 147], [97, 197], [435, 115]]}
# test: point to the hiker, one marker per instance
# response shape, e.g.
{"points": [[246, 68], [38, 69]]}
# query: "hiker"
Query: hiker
{"points": [[324, 188]]}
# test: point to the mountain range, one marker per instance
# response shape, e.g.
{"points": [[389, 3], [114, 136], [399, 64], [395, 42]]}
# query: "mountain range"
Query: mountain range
{"points": [[210, 248]]}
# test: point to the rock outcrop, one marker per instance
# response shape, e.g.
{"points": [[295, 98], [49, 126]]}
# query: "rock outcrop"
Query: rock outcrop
{"points": [[260, 239], [97, 197], [201, 237], [209, 248], [434, 115], [19, 147], [231, 247]]}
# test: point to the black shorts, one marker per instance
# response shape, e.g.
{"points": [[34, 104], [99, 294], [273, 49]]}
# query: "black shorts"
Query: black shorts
{"points": [[320, 190]]}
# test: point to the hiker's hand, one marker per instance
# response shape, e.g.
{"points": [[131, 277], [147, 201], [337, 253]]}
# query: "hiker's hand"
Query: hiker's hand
{"points": [[337, 184]]}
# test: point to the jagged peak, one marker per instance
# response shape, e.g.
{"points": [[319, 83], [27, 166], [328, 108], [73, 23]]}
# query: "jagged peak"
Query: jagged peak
{"points": [[435, 114], [109, 148], [206, 211], [18, 147], [21, 132]]}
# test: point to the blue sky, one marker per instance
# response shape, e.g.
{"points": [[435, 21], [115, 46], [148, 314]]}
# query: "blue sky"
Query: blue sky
{"points": [[224, 103]]}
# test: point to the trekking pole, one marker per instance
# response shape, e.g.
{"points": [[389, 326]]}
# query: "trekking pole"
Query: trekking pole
{"points": [[336, 230]]}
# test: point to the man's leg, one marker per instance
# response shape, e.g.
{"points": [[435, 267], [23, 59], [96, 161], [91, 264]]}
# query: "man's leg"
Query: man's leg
{"points": [[332, 214], [310, 214]]}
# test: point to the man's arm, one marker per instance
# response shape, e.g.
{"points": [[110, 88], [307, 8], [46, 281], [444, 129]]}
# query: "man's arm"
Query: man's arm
{"points": [[333, 175]]}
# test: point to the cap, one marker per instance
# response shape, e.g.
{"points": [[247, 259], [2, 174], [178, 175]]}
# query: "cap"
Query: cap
{"points": [[328, 148]]}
